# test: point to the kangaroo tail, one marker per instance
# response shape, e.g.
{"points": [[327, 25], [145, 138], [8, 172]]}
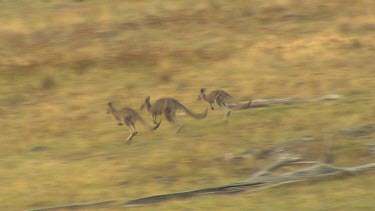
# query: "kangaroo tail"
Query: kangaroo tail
{"points": [[194, 115]]}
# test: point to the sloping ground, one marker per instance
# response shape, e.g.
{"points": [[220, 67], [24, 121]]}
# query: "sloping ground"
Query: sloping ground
{"points": [[60, 63]]}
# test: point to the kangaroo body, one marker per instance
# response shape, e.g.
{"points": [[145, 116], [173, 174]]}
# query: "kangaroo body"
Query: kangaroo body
{"points": [[129, 117], [222, 99], [169, 107]]}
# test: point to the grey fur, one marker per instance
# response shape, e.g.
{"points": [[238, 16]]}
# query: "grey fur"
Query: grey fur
{"points": [[222, 99], [169, 107], [129, 117]]}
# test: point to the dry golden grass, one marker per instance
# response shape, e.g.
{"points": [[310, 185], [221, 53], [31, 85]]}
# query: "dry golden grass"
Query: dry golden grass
{"points": [[62, 61]]}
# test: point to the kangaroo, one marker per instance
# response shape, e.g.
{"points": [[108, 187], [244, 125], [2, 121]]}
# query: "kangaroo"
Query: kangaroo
{"points": [[222, 99], [169, 107], [129, 117]]}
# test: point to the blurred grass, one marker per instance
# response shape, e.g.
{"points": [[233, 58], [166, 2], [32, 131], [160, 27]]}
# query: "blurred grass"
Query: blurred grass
{"points": [[62, 61]]}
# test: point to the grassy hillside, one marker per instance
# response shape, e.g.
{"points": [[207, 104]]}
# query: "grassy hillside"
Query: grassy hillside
{"points": [[62, 61]]}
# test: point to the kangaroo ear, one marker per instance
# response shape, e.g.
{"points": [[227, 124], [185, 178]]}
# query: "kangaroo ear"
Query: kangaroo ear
{"points": [[148, 98], [203, 90]]}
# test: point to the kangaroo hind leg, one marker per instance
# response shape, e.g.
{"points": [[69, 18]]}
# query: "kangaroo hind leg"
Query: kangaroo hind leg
{"points": [[133, 129], [171, 117], [227, 116], [225, 106]]}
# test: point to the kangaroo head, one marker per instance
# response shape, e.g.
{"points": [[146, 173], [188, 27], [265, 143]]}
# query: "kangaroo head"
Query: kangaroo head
{"points": [[200, 96], [110, 108], [146, 103]]}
